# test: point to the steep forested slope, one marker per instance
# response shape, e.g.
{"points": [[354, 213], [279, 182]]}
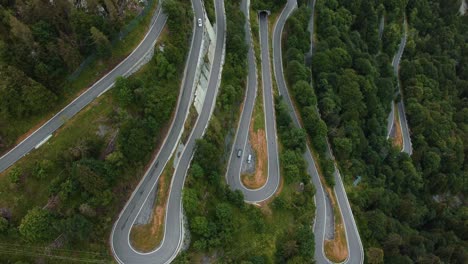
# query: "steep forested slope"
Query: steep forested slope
{"points": [[434, 75], [409, 209], [64, 197]]}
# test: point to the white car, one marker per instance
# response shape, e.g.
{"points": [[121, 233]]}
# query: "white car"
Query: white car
{"points": [[199, 22]]}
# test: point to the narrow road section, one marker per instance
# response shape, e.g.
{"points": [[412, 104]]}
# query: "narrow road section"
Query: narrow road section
{"points": [[123, 69], [355, 249], [407, 145]]}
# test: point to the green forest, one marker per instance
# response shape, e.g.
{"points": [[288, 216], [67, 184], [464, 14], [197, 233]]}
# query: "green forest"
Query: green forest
{"points": [[408, 209], [72, 190]]}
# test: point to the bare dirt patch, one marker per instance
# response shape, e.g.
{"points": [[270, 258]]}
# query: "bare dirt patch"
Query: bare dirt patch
{"points": [[336, 250], [258, 142], [398, 140]]}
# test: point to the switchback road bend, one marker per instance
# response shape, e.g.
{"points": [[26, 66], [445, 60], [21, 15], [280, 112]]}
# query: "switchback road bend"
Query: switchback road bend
{"points": [[235, 163], [120, 244], [174, 230]]}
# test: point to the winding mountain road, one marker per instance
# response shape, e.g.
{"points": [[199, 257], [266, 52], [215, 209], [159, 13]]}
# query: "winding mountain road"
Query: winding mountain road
{"points": [[133, 61], [233, 175], [407, 145], [355, 249], [174, 230]]}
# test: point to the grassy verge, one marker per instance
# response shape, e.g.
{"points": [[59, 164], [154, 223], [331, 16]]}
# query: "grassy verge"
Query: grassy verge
{"points": [[189, 123], [258, 114], [147, 237], [18, 129], [258, 119], [271, 24]]}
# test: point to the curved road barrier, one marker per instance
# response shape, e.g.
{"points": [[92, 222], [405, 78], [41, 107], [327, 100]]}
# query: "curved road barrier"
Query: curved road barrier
{"points": [[355, 249], [173, 227], [133, 60], [233, 174]]}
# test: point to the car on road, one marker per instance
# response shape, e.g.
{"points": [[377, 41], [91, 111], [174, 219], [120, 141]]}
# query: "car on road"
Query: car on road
{"points": [[239, 153], [199, 22]]}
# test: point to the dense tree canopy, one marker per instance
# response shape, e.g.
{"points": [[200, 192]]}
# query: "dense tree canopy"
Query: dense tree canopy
{"points": [[408, 208]]}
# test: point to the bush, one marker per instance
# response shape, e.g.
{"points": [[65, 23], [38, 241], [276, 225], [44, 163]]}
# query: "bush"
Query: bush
{"points": [[15, 174], [37, 225], [3, 225]]}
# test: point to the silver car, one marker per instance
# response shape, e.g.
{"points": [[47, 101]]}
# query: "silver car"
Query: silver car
{"points": [[199, 22]]}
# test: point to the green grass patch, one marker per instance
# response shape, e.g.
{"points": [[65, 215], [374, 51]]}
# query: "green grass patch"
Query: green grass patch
{"points": [[189, 124], [258, 114]]}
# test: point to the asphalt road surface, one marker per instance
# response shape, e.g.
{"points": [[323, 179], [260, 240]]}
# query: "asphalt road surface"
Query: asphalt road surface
{"points": [[356, 254], [106, 82], [407, 146], [233, 175], [174, 231]]}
